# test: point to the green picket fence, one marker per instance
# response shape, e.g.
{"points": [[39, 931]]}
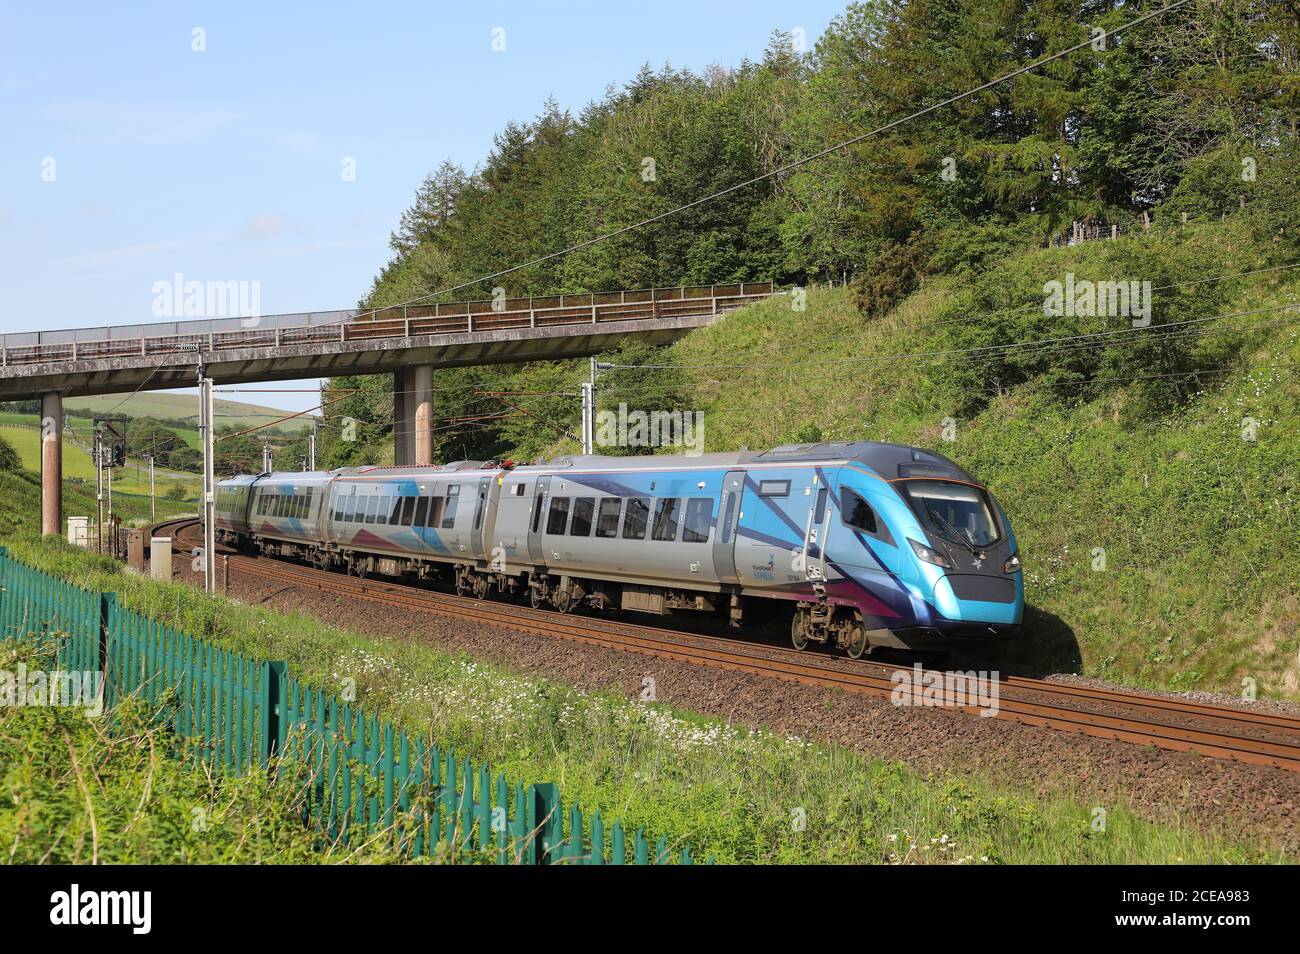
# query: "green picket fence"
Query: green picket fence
{"points": [[362, 778]]}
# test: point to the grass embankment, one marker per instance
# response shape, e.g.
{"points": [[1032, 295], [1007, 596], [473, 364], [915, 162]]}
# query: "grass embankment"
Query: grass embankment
{"points": [[20, 504], [79, 789], [78, 467], [737, 794], [1197, 586]]}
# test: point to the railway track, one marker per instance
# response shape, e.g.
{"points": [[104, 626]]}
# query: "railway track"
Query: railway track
{"points": [[1219, 731]]}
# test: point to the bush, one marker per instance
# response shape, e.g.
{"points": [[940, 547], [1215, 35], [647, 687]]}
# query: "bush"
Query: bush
{"points": [[9, 459]]}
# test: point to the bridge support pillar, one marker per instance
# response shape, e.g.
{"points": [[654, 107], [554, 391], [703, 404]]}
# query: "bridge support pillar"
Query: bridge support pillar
{"points": [[403, 423], [52, 463], [413, 416], [422, 379]]}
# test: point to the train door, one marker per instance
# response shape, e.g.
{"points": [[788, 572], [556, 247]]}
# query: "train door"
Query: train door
{"points": [[817, 530], [482, 495], [724, 541], [536, 552]]}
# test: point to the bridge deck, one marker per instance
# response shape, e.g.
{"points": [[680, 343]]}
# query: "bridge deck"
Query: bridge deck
{"points": [[112, 359]]}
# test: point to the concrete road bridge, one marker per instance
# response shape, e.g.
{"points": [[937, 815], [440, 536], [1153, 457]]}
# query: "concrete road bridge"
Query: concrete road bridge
{"points": [[410, 342]]}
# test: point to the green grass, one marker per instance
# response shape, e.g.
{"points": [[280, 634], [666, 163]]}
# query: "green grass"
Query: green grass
{"points": [[78, 466], [174, 406], [727, 791], [79, 789]]}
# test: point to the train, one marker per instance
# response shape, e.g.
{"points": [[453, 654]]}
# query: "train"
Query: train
{"points": [[863, 544]]}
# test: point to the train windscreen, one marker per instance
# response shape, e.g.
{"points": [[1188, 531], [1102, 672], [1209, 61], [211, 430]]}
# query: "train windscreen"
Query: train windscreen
{"points": [[955, 511]]}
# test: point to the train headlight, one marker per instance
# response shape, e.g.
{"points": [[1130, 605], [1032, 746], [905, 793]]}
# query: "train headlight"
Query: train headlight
{"points": [[1012, 565], [928, 555]]}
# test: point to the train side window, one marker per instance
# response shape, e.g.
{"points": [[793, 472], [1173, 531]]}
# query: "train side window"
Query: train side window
{"points": [[421, 512], [726, 517], [558, 516], [699, 514], [345, 506], [774, 488], [408, 510], [371, 506], [638, 514], [667, 510], [449, 511], [436, 505], [607, 519], [857, 513], [339, 504], [395, 511], [583, 508]]}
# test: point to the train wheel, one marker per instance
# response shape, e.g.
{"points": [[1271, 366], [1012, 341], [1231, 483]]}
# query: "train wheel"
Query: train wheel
{"points": [[799, 630], [857, 643], [536, 599], [480, 586], [463, 587]]}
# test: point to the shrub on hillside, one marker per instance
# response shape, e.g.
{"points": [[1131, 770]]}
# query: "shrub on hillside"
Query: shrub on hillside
{"points": [[9, 459]]}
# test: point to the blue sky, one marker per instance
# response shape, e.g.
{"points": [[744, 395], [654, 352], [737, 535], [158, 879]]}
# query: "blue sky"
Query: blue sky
{"points": [[227, 164]]}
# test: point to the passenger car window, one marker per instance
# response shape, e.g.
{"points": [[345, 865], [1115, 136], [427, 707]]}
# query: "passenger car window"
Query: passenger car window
{"points": [[634, 522], [667, 510], [449, 509], [583, 508], [408, 510], [537, 511], [558, 516], [774, 488], [421, 511], [436, 506], [699, 514], [857, 513], [607, 521]]}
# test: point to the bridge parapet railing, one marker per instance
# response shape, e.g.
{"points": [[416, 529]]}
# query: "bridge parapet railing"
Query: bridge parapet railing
{"points": [[398, 321]]}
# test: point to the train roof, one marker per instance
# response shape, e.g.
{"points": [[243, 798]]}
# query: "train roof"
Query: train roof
{"points": [[888, 460]]}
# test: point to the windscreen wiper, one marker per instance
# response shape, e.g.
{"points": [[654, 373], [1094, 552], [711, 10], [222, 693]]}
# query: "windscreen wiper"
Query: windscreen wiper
{"points": [[960, 537]]}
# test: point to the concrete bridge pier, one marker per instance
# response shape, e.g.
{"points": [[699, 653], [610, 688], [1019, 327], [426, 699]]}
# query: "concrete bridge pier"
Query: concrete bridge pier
{"points": [[52, 463], [413, 416]]}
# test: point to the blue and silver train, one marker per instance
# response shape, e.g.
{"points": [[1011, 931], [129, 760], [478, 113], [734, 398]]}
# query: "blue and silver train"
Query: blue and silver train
{"points": [[870, 544]]}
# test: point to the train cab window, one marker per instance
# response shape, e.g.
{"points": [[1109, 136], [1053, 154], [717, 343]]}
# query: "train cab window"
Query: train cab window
{"points": [[408, 510], [857, 513], [537, 512], [449, 510], [558, 516], [699, 514], [421, 511], [607, 519], [638, 515], [667, 512], [583, 509]]}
